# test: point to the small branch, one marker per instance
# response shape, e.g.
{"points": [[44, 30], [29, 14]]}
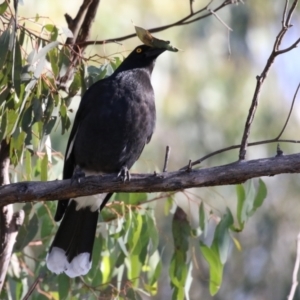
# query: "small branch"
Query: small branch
{"points": [[289, 115], [168, 150], [184, 21], [200, 160], [76, 23], [219, 19], [295, 272], [233, 173], [80, 27], [260, 79], [191, 6], [38, 280]]}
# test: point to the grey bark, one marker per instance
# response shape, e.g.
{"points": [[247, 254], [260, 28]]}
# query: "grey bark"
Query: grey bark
{"points": [[234, 173]]}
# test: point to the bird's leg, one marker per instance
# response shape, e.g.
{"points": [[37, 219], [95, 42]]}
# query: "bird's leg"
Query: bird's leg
{"points": [[124, 174], [77, 175]]}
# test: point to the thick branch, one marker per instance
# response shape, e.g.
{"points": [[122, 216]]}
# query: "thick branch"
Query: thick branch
{"points": [[233, 173]]}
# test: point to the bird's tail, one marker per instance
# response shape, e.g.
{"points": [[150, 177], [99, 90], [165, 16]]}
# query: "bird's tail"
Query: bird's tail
{"points": [[71, 249]]}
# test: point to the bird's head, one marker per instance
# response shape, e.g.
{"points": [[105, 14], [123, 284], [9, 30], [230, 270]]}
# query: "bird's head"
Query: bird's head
{"points": [[142, 56]]}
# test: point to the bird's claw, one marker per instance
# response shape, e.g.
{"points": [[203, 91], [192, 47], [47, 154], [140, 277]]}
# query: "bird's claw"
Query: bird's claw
{"points": [[77, 175], [124, 174]]}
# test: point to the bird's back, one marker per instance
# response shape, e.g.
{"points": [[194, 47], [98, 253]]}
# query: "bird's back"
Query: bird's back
{"points": [[117, 119]]}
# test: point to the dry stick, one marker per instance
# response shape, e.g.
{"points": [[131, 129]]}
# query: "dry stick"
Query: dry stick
{"points": [[168, 150], [80, 27], [276, 139], [295, 272], [33, 286], [219, 19], [191, 6], [260, 79]]}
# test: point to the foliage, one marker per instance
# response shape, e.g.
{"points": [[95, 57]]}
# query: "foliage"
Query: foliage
{"points": [[129, 247]]}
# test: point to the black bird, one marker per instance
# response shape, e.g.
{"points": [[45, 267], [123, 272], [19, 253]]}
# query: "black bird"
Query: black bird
{"points": [[114, 121]]}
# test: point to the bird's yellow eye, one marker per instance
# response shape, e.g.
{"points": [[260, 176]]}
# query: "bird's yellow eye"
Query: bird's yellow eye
{"points": [[138, 50]]}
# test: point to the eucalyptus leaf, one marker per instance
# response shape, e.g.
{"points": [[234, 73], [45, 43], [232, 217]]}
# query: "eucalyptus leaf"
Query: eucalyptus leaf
{"points": [[4, 46]]}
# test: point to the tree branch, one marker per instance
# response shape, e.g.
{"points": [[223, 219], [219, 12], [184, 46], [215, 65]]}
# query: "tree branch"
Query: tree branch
{"points": [[286, 19], [184, 21], [234, 173]]}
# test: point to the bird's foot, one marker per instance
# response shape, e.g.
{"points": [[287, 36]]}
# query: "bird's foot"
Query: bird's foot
{"points": [[124, 174], [77, 175]]}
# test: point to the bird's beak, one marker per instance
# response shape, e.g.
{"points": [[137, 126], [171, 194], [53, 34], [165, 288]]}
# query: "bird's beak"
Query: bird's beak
{"points": [[155, 52]]}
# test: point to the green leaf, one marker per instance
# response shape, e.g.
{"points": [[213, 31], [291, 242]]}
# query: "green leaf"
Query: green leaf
{"points": [[260, 195], [133, 295], [4, 46], [153, 234], [12, 117], [28, 230], [28, 168], [249, 202], [37, 110], [241, 196], [64, 286], [5, 93], [211, 255], [75, 85], [3, 125], [178, 267], [53, 58], [65, 120], [134, 239], [53, 31], [137, 198], [3, 7], [22, 34], [222, 237], [17, 68], [156, 273], [27, 118], [202, 219], [168, 206]]}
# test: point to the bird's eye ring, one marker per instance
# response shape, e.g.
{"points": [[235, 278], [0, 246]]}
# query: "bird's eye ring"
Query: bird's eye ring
{"points": [[138, 50]]}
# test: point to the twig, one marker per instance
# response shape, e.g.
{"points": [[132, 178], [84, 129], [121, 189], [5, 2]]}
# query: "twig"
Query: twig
{"points": [[261, 78], [168, 150], [191, 6], [184, 21], [218, 18], [289, 115], [295, 272], [33, 286]]}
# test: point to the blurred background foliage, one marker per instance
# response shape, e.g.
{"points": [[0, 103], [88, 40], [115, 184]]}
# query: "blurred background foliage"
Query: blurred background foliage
{"points": [[202, 95]]}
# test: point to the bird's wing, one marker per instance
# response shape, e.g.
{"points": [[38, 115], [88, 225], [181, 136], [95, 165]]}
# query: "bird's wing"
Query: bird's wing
{"points": [[69, 163]]}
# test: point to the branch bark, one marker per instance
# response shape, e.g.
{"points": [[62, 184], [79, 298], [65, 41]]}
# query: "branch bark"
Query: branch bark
{"points": [[234, 173]]}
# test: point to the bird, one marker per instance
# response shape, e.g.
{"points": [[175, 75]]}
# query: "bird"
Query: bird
{"points": [[115, 120]]}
